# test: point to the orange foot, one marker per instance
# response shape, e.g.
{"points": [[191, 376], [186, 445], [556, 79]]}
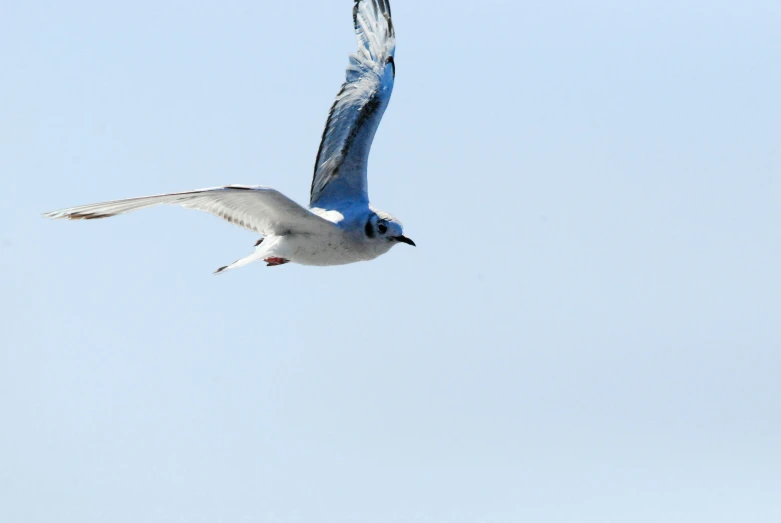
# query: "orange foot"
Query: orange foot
{"points": [[273, 262]]}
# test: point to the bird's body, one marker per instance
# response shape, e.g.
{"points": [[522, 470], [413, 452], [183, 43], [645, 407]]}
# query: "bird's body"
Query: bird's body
{"points": [[337, 248], [339, 226], [345, 242]]}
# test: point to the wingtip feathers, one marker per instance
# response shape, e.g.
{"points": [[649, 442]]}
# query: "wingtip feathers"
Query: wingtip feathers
{"points": [[64, 215]]}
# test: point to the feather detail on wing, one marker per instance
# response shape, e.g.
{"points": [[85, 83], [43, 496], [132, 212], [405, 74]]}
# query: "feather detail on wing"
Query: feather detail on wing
{"points": [[259, 209], [341, 165]]}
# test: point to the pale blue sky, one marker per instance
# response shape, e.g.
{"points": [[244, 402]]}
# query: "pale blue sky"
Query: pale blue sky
{"points": [[589, 329]]}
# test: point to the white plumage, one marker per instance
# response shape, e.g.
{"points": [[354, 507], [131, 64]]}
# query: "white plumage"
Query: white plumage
{"points": [[339, 227], [259, 209], [341, 166]]}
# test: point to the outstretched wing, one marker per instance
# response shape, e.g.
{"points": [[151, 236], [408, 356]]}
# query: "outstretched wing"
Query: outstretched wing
{"points": [[260, 209], [340, 168]]}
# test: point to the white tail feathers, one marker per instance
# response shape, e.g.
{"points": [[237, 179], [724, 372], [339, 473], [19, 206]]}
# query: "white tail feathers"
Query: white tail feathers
{"points": [[263, 249], [255, 256]]}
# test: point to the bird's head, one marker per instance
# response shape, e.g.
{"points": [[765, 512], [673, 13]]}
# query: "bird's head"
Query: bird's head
{"points": [[386, 230]]}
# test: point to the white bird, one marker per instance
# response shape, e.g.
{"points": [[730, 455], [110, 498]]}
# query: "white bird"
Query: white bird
{"points": [[339, 226]]}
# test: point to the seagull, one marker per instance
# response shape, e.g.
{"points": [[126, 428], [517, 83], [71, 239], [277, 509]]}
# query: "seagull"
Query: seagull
{"points": [[339, 226]]}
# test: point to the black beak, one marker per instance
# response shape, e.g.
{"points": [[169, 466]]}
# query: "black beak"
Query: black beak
{"points": [[404, 239]]}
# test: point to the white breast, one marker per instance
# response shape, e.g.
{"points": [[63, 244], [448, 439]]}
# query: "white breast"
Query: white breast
{"points": [[337, 249]]}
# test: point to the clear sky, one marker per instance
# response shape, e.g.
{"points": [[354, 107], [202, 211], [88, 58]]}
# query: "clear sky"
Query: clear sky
{"points": [[588, 331]]}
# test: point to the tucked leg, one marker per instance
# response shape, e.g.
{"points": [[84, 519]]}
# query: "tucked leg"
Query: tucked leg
{"points": [[273, 262]]}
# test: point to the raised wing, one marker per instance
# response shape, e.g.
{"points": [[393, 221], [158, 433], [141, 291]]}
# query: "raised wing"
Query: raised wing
{"points": [[260, 209], [341, 165]]}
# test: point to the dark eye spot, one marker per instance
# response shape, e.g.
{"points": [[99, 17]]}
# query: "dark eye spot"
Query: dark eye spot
{"points": [[382, 228], [368, 229], [391, 61]]}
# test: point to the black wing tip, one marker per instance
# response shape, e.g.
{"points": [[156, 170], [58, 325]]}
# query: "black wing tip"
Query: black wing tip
{"points": [[76, 216], [382, 6], [386, 10]]}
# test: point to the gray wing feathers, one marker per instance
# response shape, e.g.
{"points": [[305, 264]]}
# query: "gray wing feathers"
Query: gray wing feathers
{"points": [[341, 165], [259, 209]]}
